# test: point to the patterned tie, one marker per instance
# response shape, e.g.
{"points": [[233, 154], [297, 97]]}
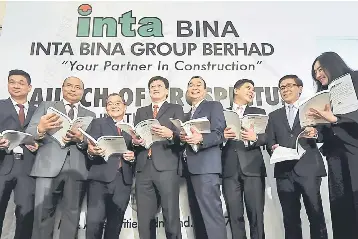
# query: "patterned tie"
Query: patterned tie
{"points": [[71, 112], [155, 112], [240, 110], [192, 112], [291, 115], [120, 160], [21, 114]]}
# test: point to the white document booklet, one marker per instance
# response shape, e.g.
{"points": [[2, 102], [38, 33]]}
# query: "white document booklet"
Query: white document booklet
{"points": [[142, 130], [202, 125], [67, 124], [340, 95], [17, 138], [111, 144]]}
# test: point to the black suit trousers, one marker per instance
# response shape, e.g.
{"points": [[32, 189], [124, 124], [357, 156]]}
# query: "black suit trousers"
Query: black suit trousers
{"points": [[106, 201], [289, 191]]}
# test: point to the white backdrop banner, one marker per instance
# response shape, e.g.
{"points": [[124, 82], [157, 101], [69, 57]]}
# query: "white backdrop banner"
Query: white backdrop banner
{"points": [[119, 46]]}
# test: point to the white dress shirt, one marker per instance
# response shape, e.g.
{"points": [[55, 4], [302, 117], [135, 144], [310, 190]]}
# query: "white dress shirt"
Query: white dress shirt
{"points": [[18, 149], [295, 108], [75, 108], [235, 107]]}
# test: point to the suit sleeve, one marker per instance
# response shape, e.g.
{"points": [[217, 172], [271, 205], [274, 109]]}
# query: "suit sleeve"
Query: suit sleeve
{"points": [[261, 138], [35, 120], [217, 125], [270, 135], [83, 145], [179, 114], [96, 132]]}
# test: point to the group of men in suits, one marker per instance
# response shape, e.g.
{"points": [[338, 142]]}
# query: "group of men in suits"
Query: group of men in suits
{"points": [[45, 173]]}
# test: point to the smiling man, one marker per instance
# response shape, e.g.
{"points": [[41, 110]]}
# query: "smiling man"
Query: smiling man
{"points": [[204, 167], [157, 176], [60, 172], [109, 181], [296, 178], [244, 169]]}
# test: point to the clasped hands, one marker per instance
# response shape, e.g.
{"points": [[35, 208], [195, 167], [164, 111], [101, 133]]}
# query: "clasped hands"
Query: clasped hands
{"points": [[194, 139], [159, 130]]}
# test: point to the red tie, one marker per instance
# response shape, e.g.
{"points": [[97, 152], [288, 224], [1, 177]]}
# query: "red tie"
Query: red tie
{"points": [[21, 114], [120, 160], [155, 112]]}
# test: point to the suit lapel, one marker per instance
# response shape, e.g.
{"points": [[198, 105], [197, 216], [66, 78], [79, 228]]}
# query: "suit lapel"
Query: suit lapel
{"points": [[113, 126], [296, 122], [197, 111], [60, 106], [149, 111], [29, 114], [81, 111], [284, 118], [13, 111], [162, 109]]}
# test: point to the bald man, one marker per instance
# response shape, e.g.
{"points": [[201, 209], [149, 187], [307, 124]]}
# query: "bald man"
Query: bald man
{"points": [[60, 172]]}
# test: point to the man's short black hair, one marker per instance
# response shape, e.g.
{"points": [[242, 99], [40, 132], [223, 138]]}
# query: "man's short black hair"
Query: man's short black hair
{"points": [[164, 80], [239, 83], [199, 77], [17, 72], [297, 80]]}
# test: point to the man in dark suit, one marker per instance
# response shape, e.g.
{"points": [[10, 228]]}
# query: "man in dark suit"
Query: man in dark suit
{"points": [[157, 177], [109, 182], [244, 169], [15, 166], [204, 166], [60, 171], [296, 177]]}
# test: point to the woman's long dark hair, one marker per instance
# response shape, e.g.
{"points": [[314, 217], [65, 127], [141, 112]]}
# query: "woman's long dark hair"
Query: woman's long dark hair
{"points": [[333, 65]]}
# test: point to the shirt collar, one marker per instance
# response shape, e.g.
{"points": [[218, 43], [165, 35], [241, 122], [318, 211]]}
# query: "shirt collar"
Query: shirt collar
{"points": [[76, 105], [296, 104], [159, 104], [197, 104], [26, 104], [235, 106]]}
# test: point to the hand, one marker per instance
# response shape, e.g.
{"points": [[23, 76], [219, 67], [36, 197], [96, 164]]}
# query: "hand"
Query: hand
{"points": [[74, 135], [182, 136], [162, 131], [128, 156], [49, 121], [33, 147], [325, 114], [249, 134], [94, 150], [4, 143], [195, 138], [229, 133], [310, 132], [136, 140], [274, 147]]}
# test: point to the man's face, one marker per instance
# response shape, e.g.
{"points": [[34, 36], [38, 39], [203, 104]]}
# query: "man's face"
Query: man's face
{"points": [[157, 91], [18, 86], [196, 89], [115, 107], [290, 91], [245, 92], [72, 89]]}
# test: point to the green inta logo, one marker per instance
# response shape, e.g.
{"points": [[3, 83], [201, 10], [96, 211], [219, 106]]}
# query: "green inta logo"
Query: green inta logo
{"points": [[126, 25]]}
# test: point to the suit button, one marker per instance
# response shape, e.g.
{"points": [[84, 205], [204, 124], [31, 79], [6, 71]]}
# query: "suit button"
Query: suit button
{"points": [[291, 135]]}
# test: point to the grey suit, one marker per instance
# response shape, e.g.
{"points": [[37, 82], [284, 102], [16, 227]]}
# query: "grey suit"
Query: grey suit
{"points": [[244, 172], [157, 178], [204, 168], [14, 173], [57, 170]]}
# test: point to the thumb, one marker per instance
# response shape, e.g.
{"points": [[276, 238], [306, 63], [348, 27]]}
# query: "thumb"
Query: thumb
{"points": [[192, 130]]}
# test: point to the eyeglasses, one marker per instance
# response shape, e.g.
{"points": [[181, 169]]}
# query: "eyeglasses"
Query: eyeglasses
{"points": [[288, 86], [116, 104]]}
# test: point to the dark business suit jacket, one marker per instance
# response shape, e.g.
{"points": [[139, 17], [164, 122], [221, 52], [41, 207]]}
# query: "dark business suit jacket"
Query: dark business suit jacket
{"points": [[106, 171], [249, 159], [9, 120], [165, 154], [208, 158], [279, 132]]}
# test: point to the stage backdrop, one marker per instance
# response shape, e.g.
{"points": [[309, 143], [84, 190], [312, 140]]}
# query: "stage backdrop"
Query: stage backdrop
{"points": [[119, 46]]}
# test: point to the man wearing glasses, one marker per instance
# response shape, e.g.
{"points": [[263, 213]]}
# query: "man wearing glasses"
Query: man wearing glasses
{"points": [[296, 178], [60, 172], [109, 182]]}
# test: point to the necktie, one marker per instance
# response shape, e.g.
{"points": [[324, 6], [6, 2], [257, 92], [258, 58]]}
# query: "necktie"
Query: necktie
{"points": [[240, 110], [192, 112], [21, 114], [155, 112], [291, 116], [120, 160], [71, 112]]}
